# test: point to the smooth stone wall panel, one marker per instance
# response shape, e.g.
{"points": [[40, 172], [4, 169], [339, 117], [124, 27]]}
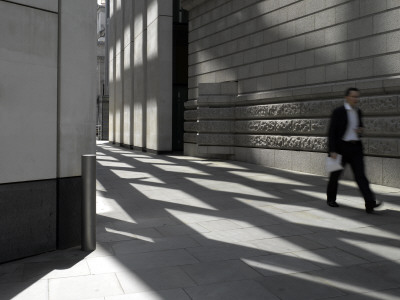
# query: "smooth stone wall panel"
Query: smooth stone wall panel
{"points": [[77, 89], [215, 126], [28, 93], [190, 137], [190, 126], [215, 139], [119, 97], [119, 70], [128, 96], [111, 71], [216, 113], [139, 91], [50, 5], [191, 115], [159, 80]]}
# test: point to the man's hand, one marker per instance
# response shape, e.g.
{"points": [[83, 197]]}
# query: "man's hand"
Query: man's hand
{"points": [[333, 155]]}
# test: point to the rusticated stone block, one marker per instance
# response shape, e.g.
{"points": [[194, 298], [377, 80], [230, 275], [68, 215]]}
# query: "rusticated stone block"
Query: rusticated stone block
{"points": [[275, 110], [319, 108], [277, 140], [319, 126], [385, 147], [255, 126], [190, 137], [282, 142], [379, 105], [190, 115], [215, 139], [284, 126], [314, 144], [216, 113], [292, 142], [387, 126], [268, 111], [298, 126], [251, 141], [262, 126], [190, 126], [301, 126], [215, 126], [251, 112]]}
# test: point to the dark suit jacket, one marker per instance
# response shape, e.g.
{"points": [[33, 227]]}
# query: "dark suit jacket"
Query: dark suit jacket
{"points": [[337, 128]]}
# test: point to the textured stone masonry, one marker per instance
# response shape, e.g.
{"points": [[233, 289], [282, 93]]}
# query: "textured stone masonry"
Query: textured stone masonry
{"points": [[285, 66]]}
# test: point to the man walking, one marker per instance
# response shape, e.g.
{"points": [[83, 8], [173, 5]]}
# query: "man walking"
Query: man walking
{"points": [[344, 138]]}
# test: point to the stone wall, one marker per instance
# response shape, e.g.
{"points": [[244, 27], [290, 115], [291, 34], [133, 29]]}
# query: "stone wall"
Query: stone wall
{"points": [[264, 77], [140, 73], [47, 121]]}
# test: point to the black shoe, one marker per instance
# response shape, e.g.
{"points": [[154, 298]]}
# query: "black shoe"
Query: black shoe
{"points": [[332, 204], [370, 209]]}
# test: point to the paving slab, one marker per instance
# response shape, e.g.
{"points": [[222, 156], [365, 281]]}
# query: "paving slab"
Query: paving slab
{"points": [[157, 279], [35, 290], [237, 290], [277, 264], [294, 288], [220, 271], [179, 227], [176, 294], [138, 261], [83, 287]]}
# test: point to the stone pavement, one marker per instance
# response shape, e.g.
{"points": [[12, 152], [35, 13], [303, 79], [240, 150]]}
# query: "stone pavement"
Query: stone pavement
{"points": [[177, 227]]}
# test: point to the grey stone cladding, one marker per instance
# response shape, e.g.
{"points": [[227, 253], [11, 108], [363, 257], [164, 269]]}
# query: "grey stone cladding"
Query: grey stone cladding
{"points": [[265, 76], [295, 125]]}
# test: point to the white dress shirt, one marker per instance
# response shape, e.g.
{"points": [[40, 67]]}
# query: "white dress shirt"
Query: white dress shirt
{"points": [[352, 124]]}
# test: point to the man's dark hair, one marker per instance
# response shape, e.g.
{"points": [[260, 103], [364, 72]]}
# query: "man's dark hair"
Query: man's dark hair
{"points": [[349, 90]]}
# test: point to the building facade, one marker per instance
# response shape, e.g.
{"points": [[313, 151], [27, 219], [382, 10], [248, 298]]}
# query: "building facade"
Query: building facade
{"points": [[264, 76], [102, 77], [147, 48], [47, 121]]}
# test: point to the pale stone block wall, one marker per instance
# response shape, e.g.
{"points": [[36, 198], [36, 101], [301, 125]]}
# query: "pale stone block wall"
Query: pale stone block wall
{"points": [[119, 71], [265, 75], [140, 71], [47, 121], [143, 73], [28, 114], [77, 93], [111, 71], [50, 5], [159, 75], [128, 50]]}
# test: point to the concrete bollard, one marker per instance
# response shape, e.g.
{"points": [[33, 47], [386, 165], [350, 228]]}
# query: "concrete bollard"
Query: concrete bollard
{"points": [[88, 238]]}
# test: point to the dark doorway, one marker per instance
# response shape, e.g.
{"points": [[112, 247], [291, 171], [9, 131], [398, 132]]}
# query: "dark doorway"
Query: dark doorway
{"points": [[180, 74]]}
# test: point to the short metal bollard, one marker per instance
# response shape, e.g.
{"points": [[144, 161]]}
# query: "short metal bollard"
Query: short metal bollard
{"points": [[88, 239]]}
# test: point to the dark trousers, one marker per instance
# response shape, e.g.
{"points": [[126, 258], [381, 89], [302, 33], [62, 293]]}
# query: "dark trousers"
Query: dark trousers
{"points": [[352, 154]]}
